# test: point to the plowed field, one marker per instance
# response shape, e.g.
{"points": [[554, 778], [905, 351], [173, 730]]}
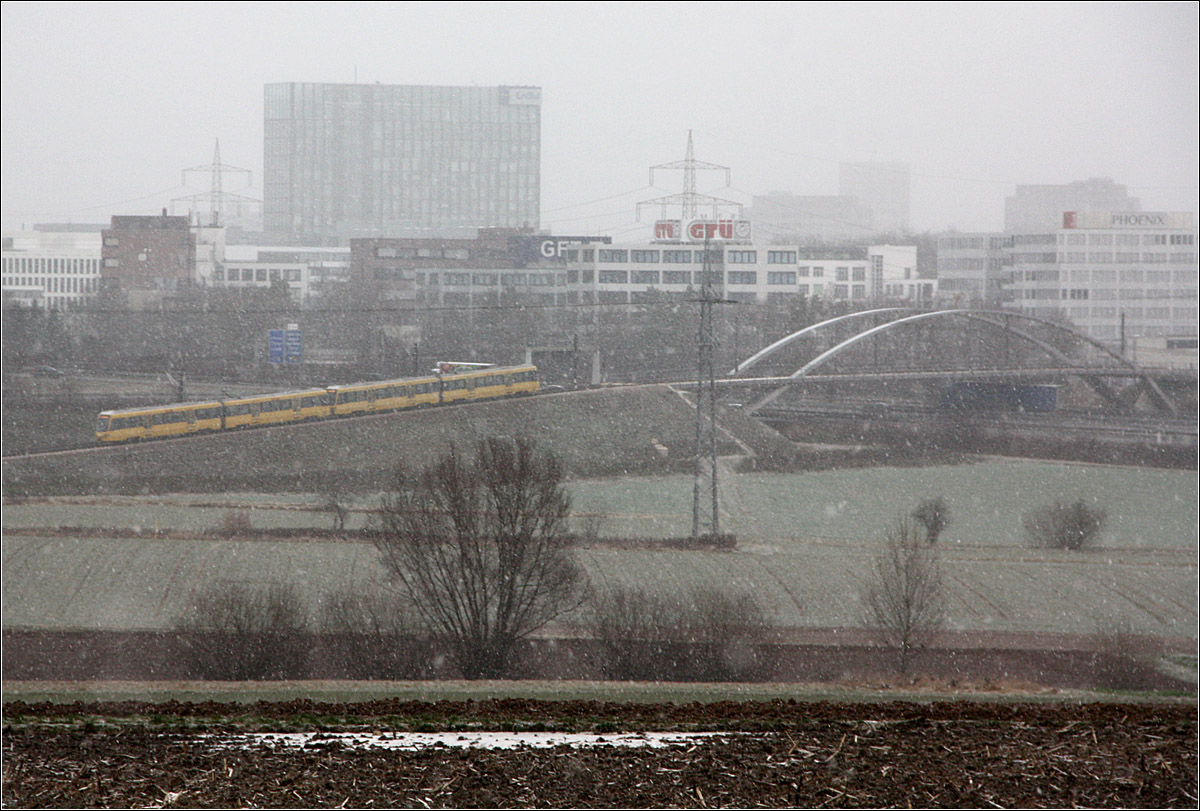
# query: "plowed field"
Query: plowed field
{"points": [[768, 754]]}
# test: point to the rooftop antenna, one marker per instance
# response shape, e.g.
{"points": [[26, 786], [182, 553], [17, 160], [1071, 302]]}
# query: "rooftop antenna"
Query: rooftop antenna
{"points": [[216, 197]]}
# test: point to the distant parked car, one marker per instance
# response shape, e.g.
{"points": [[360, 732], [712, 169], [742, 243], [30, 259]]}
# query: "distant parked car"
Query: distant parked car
{"points": [[46, 371]]}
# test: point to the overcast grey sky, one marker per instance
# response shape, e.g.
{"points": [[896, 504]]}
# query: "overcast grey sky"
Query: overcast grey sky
{"points": [[104, 103]]}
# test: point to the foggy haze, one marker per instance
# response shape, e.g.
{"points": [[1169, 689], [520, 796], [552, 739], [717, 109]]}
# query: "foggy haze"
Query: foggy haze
{"points": [[106, 103]]}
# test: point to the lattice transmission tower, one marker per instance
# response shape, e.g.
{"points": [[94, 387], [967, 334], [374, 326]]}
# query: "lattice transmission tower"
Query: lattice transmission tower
{"points": [[705, 502], [216, 200], [689, 200]]}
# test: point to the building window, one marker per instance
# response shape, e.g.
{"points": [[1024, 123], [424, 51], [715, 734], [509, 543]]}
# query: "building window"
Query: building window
{"points": [[858, 274], [457, 279], [676, 276], [842, 275], [612, 256], [484, 279], [742, 257], [781, 277], [644, 257], [743, 276], [781, 257], [858, 291], [645, 277], [614, 276], [676, 257]]}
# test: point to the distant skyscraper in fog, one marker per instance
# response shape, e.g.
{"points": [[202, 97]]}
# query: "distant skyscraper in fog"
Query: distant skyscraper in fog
{"points": [[1040, 208], [881, 187], [343, 160]]}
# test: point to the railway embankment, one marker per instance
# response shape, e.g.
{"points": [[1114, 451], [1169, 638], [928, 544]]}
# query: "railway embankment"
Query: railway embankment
{"points": [[602, 432]]}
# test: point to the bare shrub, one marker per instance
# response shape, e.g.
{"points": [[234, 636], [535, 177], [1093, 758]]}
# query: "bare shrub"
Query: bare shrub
{"points": [[905, 597], [336, 499], [1121, 660], [479, 546], [375, 637], [722, 630], [632, 629], [235, 524], [237, 632], [1064, 525], [591, 527], [934, 515], [707, 636]]}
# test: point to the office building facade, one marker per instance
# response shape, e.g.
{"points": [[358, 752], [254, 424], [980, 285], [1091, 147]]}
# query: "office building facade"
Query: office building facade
{"points": [[50, 269], [1109, 271], [348, 160]]}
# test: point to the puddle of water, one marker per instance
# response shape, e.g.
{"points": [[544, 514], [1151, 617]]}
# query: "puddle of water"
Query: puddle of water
{"points": [[455, 740]]}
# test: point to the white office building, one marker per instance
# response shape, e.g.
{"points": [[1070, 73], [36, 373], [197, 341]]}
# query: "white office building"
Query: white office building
{"points": [[1109, 271], [749, 272], [50, 269], [971, 269]]}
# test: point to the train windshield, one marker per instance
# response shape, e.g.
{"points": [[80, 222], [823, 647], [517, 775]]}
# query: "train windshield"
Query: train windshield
{"points": [[102, 424]]}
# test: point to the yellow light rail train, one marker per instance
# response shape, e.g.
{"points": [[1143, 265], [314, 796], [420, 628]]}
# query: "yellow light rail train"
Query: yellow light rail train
{"points": [[182, 419]]}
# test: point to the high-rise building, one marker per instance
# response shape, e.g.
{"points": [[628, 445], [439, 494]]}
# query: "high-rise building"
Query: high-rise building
{"points": [[348, 160], [880, 186], [1039, 208]]}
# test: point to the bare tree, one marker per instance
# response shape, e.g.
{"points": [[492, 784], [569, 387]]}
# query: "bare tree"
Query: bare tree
{"points": [[934, 515], [1064, 526], [480, 547], [905, 594], [239, 632]]}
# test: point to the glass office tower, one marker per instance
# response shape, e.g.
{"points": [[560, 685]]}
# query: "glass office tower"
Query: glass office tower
{"points": [[350, 160]]}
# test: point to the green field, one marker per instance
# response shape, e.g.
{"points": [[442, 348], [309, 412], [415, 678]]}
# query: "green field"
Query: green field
{"points": [[805, 543], [1147, 508]]}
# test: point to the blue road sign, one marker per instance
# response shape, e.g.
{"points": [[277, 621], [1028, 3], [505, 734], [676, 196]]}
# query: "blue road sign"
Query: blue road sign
{"points": [[275, 345], [293, 347]]}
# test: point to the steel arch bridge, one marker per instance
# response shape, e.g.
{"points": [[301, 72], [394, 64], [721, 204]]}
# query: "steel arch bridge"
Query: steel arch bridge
{"points": [[1045, 348]]}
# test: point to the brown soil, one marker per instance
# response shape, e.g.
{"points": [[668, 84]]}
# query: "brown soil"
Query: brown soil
{"points": [[944, 754]]}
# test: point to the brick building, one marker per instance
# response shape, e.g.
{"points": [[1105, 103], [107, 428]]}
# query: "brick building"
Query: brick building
{"points": [[144, 258]]}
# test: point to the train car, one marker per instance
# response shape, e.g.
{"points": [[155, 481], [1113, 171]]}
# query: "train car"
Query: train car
{"points": [[153, 422], [384, 395], [277, 408], [484, 384]]}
